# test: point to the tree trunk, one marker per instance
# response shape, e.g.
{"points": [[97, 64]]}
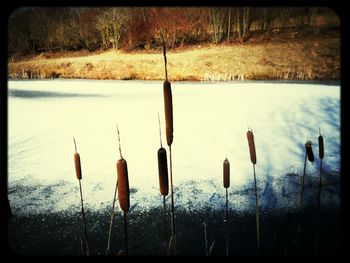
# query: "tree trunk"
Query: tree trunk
{"points": [[229, 25]]}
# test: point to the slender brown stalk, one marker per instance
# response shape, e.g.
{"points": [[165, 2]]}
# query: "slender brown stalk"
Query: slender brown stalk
{"points": [[79, 177], [160, 132], [226, 222], [165, 222], [205, 238], [83, 220], [172, 203], [317, 225], [112, 220], [125, 233], [164, 55], [257, 215], [302, 185]]}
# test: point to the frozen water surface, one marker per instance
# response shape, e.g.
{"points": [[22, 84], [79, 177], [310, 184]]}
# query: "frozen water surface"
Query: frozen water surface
{"points": [[210, 124]]}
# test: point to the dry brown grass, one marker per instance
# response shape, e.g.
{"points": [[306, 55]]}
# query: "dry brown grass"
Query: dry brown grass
{"points": [[312, 58]]}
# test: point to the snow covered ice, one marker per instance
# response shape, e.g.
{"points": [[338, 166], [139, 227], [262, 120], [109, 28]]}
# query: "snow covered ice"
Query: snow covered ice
{"points": [[210, 124]]}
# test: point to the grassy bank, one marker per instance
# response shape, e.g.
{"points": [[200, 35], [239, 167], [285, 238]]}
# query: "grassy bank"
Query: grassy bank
{"points": [[304, 58]]}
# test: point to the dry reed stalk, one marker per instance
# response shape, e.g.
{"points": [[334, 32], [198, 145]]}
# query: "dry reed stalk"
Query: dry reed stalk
{"points": [[112, 220], [251, 144], [79, 177]]}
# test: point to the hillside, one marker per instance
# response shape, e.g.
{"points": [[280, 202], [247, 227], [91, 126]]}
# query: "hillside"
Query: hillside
{"points": [[289, 57]]}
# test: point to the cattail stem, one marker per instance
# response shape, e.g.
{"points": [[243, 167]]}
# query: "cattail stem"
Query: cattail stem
{"points": [[206, 239], [83, 220], [172, 203], [125, 234], [226, 210], [160, 132], [120, 150], [75, 145], [318, 211], [165, 221], [257, 215], [226, 222], [112, 220], [320, 181], [164, 55], [299, 228], [302, 185]]}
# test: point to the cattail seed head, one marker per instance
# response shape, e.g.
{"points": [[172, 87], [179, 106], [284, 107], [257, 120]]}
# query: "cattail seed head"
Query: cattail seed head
{"points": [[163, 171], [226, 173], [320, 146], [123, 185], [77, 165], [250, 137], [168, 107], [309, 152]]}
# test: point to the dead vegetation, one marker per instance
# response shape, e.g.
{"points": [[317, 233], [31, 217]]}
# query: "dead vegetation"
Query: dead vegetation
{"points": [[284, 58]]}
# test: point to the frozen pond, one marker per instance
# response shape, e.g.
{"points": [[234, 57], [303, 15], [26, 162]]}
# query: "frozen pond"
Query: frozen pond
{"points": [[210, 123]]}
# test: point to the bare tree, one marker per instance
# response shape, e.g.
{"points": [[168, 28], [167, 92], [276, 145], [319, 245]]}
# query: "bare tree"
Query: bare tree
{"points": [[243, 22], [112, 23], [216, 17]]}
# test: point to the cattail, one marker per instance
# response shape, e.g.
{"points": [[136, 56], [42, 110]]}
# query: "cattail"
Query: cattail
{"points": [[163, 171], [168, 107], [77, 162], [321, 155], [320, 146], [123, 195], [77, 165], [123, 185], [309, 152], [79, 176], [250, 137], [226, 173], [226, 165], [251, 144]]}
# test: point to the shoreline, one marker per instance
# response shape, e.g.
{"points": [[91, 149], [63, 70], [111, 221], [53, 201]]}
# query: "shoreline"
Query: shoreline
{"points": [[330, 82], [309, 58]]}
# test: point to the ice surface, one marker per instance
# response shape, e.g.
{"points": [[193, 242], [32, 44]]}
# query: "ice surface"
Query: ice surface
{"points": [[210, 124]]}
